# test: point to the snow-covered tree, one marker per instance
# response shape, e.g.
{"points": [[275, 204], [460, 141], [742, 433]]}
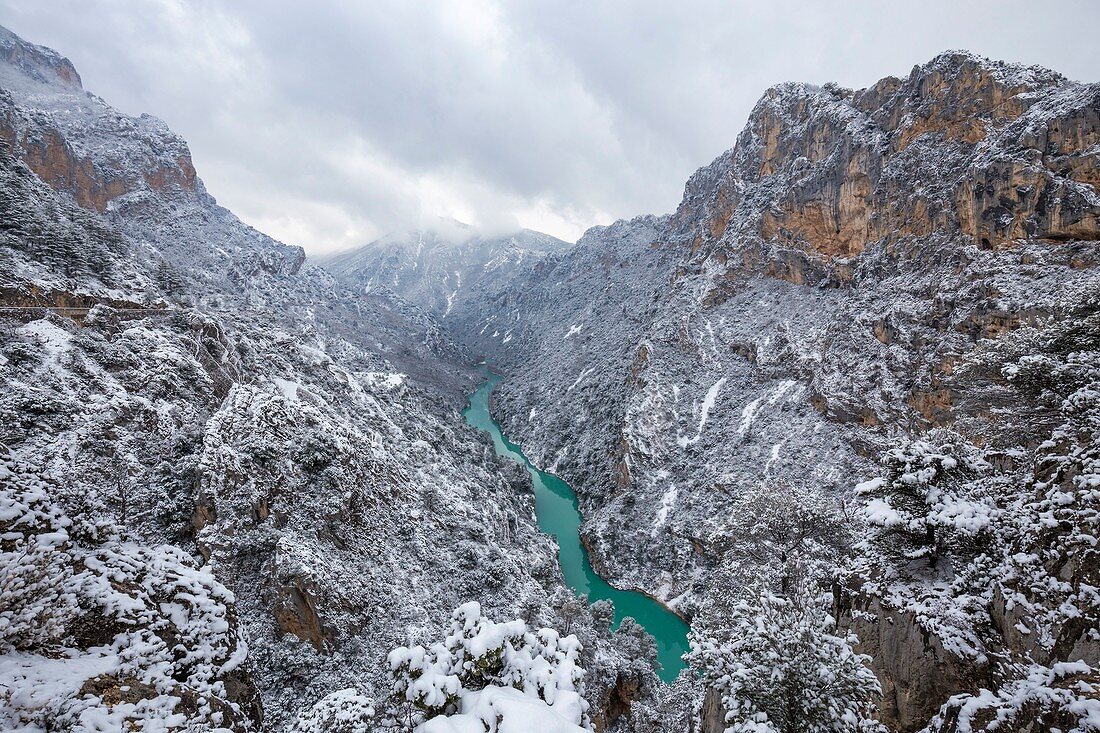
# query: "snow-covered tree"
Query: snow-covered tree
{"points": [[925, 503], [786, 669], [483, 671], [119, 635], [568, 606], [788, 533], [342, 711], [993, 552]]}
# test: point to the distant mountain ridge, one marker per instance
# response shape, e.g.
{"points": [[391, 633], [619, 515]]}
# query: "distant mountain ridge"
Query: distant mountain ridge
{"points": [[444, 268], [38, 62]]}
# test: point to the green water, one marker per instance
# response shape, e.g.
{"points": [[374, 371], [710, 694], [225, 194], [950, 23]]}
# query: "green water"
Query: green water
{"points": [[558, 515]]}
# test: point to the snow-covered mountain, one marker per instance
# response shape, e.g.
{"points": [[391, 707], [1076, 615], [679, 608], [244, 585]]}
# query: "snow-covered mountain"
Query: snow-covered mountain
{"points": [[862, 270], [839, 410], [447, 269], [230, 484]]}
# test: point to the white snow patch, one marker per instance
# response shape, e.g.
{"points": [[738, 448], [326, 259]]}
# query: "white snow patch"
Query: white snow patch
{"points": [[776, 450], [748, 414], [713, 339], [384, 380], [35, 680], [574, 329], [450, 302], [704, 411], [509, 710], [451, 297], [881, 514], [54, 340], [287, 387], [584, 373], [868, 486], [668, 501]]}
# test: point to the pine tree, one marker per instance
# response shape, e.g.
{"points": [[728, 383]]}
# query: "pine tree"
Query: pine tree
{"points": [[785, 669], [785, 532], [927, 502]]}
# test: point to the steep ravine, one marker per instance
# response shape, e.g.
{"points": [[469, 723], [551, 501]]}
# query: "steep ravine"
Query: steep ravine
{"points": [[558, 516], [230, 485], [232, 481], [858, 271]]}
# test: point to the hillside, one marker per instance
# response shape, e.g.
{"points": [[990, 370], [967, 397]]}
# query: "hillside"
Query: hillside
{"points": [[838, 411], [231, 485], [863, 269]]}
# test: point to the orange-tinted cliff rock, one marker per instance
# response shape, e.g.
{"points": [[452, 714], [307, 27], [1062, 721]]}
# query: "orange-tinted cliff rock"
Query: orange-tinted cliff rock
{"points": [[963, 147]]}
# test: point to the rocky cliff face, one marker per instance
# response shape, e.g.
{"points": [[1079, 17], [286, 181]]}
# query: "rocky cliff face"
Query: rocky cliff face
{"points": [[831, 284], [285, 453], [962, 147], [54, 136], [37, 62]]}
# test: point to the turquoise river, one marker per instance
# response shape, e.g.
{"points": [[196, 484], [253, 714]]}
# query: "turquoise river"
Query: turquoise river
{"points": [[558, 515]]}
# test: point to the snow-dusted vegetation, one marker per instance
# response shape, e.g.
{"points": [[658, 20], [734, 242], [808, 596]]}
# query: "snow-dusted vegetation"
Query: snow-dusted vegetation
{"points": [[488, 675], [877, 311], [839, 411], [101, 632], [993, 550], [232, 434], [783, 668]]}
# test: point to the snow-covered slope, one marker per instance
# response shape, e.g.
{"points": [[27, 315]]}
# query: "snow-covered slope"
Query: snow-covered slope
{"points": [[827, 287], [450, 269], [258, 458], [862, 352]]}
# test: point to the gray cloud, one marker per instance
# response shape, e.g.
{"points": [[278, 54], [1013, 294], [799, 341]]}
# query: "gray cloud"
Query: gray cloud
{"points": [[327, 124]]}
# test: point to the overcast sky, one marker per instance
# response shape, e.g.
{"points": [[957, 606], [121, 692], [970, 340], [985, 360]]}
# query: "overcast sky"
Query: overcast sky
{"points": [[328, 124]]}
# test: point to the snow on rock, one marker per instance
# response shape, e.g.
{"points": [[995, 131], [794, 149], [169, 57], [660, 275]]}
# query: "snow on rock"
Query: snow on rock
{"points": [[384, 381], [35, 681], [704, 412], [100, 633], [668, 501], [1064, 697], [288, 388], [580, 378], [991, 550], [497, 709]]}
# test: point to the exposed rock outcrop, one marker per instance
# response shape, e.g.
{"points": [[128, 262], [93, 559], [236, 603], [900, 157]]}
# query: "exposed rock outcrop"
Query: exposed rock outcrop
{"points": [[916, 673], [962, 146], [830, 284]]}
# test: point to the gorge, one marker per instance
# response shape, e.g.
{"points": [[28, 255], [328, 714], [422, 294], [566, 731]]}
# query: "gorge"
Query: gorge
{"points": [[558, 516], [837, 413]]}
